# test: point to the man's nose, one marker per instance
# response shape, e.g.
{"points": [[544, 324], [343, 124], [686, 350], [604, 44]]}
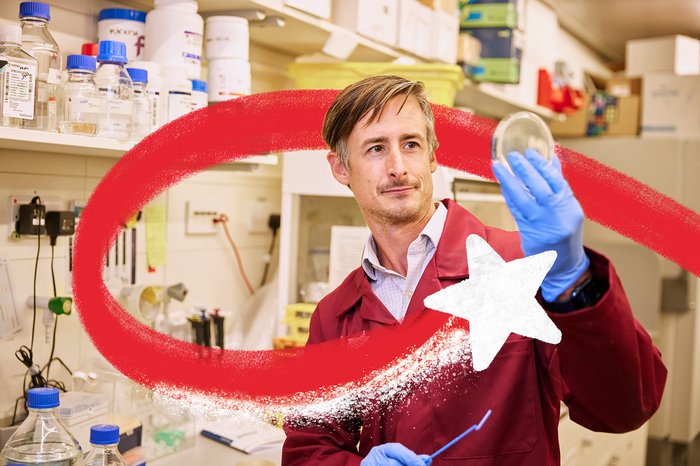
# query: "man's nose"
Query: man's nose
{"points": [[396, 164]]}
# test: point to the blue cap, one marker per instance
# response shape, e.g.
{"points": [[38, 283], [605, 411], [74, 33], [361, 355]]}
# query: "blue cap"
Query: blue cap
{"points": [[122, 13], [42, 398], [104, 434], [138, 75], [35, 9], [81, 62], [112, 51], [199, 85]]}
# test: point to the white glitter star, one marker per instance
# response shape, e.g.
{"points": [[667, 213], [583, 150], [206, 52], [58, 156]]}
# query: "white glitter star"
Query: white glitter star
{"points": [[498, 298]]}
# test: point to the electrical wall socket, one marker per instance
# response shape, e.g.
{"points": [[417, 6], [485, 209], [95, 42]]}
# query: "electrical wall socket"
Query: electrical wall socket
{"points": [[13, 203], [257, 215], [199, 218]]}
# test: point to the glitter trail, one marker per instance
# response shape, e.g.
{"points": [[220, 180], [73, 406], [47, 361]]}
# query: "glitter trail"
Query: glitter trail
{"points": [[289, 121]]}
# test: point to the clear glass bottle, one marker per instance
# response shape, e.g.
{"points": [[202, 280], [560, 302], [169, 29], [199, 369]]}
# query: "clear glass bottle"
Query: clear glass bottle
{"points": [[81, 105], [104, 439], [142, 113], [116, 89], [39, 43], [18, 72], [42, 439]]}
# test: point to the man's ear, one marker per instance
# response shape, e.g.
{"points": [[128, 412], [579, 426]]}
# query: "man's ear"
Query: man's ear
{"points": [[339, 171], [433, 162]]}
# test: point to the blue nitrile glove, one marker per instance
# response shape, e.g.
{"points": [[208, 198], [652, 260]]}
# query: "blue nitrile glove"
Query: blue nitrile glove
{"points": [[394, 454], [548, 216]]}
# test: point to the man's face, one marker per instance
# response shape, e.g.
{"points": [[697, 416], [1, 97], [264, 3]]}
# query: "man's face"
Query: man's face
{"points": [[389, 165]]}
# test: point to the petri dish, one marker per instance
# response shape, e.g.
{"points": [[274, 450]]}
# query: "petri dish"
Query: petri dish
{"points": [[518, 131]]}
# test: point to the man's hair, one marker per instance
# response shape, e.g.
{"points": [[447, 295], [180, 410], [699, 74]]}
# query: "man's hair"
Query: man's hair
{"points": [[371, 95]]}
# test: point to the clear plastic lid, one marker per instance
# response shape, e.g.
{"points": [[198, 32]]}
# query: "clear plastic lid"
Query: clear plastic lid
{"points": [[518, 131]]}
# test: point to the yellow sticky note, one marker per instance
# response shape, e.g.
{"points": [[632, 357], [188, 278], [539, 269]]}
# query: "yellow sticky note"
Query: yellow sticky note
{"points": [[155, 234]]}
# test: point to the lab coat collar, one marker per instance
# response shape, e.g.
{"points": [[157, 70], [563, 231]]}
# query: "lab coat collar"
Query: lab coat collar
{"points": [[449, 262]]}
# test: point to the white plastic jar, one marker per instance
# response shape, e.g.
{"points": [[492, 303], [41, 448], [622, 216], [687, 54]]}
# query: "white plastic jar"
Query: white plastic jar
{"points": [[123, 25], [227, 37], [157, 92], [228, 78], [179, 91], [174, 33]]}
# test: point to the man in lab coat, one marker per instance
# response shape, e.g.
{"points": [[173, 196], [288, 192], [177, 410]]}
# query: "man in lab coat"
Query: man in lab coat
{"points": [[382, 146]]}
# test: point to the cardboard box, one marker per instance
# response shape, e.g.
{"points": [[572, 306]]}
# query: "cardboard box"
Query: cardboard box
{"points": [[468, 49], [497, 70], [415, 28], [499, 42], [623, 117], [320, 8], [575, 125], [672, 54], [490, 13], [623, 86], [448, 6], [375, 19], [444, 33], [671, 106]]}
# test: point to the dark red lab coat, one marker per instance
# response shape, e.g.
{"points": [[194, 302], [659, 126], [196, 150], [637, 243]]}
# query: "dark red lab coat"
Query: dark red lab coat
{"points": [[605, 369]]}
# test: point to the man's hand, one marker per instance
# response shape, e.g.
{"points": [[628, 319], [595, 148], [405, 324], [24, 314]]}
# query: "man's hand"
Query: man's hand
{"points": [[548, 216], [394, 454]]}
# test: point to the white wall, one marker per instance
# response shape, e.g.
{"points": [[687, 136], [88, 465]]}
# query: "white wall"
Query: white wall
{"points": [[205, 264]]}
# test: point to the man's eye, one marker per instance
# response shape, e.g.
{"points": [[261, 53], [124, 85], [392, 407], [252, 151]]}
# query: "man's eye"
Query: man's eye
{"points": [[412, 145], [375, 149]]}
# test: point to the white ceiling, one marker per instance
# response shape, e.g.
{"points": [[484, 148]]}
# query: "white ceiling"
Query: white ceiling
{"points": [[605, 25]]}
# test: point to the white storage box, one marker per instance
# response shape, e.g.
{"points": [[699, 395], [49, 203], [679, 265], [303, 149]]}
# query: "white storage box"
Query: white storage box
{"points": [[81, 410], [445, 32], [670, 106], [375, 19], [671, 54], [415, 28], [320, 8]]}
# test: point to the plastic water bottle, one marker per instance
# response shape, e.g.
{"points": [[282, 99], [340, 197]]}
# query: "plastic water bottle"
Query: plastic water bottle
{"points": [[17, 79], [116, 89], [81, 104], [42, 438], [141, 115], [38, 42], [104, 439]]}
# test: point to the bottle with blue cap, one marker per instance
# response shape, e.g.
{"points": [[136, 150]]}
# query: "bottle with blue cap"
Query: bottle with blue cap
{"points": [[199, 94], [42, 439], [124, 25], [116, 89], [104, 439], [141, 116], [38, 42], [18, 71], [81, 105]]}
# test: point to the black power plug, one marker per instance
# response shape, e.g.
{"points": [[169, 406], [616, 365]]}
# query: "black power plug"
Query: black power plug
{"points": [[274, 222], [59, 223], [31, 218]]}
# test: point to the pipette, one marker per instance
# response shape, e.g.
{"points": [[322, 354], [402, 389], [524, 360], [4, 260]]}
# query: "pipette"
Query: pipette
{"points": [[459, 437]]}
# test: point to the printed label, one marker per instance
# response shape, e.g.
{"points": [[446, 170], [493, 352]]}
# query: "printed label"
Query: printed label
{"points": [[179, 103], [77, 107], [54, 76], [19, 90], [119, 107]]}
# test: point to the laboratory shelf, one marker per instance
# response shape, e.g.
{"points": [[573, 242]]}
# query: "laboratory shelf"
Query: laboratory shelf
{"points": [[303, 33], [58, 143], [489, 102]]}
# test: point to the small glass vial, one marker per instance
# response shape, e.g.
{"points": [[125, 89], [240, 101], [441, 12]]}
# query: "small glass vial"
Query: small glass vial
{"points": [[42, 439], [142, 114], [116, 89], [104, 439], [39, 43], [81, 105], [18, 75]]}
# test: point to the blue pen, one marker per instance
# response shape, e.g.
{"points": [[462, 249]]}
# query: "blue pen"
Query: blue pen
{"points": [[459, 437], [221, 439]]}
